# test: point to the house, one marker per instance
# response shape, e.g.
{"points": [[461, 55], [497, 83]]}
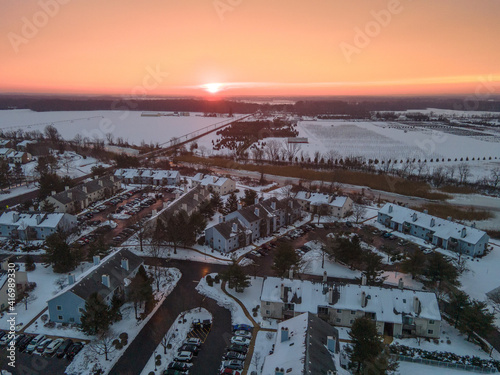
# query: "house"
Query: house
{"points": [[75, 199], [396, 311], [122, 150], [23, 145], [326, 204], [21, 280], [19, 157], [34, 225], [304, 344], [5, 153], [227, 236], [445, 234], [258, 220], [6, 143], [108, 277], [156, 177], [221, 185]]}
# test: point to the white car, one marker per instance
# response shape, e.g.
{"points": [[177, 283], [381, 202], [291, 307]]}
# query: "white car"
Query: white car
{"points": [[37, 340], [253, 252], [183, 357], [52, 347], [240, 340], [193, 341], [242, 333]]}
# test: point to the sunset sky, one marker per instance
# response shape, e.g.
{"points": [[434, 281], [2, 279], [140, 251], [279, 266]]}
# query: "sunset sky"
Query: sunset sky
{"points": [[254, 47]]}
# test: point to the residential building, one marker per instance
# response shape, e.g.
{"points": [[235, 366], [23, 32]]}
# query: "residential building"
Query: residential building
{"points": [[108, 277], [326, 204], [6, 143], [227, 236], [221, 185], [19, 157], [442, 233], [34, 225], [304, 344], [5, 153], [396, 311], [21, 280], [157, 177], [23, 145], [75, 199]]}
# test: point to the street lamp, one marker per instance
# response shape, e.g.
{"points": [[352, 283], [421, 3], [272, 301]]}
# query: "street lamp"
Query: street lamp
{"points": [[155, 360]]}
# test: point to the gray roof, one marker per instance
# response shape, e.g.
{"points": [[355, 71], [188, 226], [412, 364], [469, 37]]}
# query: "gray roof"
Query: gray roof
{"points": [[318, 358], [226, 228], [188, 200], [77, 193], [92, 283]]}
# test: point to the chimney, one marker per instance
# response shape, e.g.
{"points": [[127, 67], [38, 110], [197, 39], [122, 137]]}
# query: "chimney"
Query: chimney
{"points": [[165, 204], [279, 371], [84, 189], [464, 232], [66, 188], [256, 212], [416, 305], [290, 274], [239, 206], [290, 203], [70, 194], [330, 295], [325, 277], [273, 205], [414, 216], [390, 208], [235, 227], [106, 281], [195, 197], [282, 292], [184, 207], [426, 211], [256, 201], [185, 189], [15, 216], [363, 299], [53, 192], [308, 195], [284, 334], [401, 283], [125, 265], [363, 280], [433, 222], [101, 184], [220, 219], [154, 212], [96, 259], [331, 344], [473, 225], [71, 279], [177, 195], [38, 219]]}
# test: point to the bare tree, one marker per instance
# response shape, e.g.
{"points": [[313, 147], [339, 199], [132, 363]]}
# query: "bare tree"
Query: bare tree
{"points": [[358, 212], [450, 171], [109, 138], [27, 298], [272, 150], [438, 176], [103, 344], [61, 282], [494, 299], [463, 172], [495, 177], [421, 168], [164, 342]]}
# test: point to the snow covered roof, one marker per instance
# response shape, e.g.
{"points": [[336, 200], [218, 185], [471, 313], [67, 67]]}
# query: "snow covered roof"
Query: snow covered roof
{"points": [[24, 220], [5, 151], [440, 227], [387, 304], [305, 351], [207, 180], [25, 143], [156, 174], [318, 199]]}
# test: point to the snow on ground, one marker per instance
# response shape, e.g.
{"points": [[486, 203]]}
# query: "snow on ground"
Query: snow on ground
{"points": [[88, 359], [458, 343], [408, 368], [45, 280], [263, 345], [175, 336], [215, 292]]}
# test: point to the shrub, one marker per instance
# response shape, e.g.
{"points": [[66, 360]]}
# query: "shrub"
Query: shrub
{"points": [[210, 281], [217, 279]]}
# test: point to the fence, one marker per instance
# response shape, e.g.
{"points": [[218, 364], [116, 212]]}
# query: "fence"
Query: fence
{"points": [[457, 366]]}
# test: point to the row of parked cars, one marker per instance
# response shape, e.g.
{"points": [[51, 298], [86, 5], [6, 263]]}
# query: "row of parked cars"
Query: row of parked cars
{"points": [[126, 233], [136, 205], [185, 355], [42, 345], [234, 359]]}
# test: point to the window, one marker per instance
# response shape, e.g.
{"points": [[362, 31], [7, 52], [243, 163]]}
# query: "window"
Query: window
{"points": [[323, 310], [71, 320], [338, 320], [268, 312], [431, 322], [81, 310], [59, 307], [339, 311], [268, 303], [353, 312], [430, 331], [60, 317], [351, 321]]}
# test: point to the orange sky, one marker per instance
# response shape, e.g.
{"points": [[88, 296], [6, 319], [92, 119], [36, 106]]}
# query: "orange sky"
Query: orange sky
{"points": [[257, 47]]}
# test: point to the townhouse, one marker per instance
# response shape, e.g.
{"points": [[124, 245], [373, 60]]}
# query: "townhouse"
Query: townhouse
{"points": [[326, 204]]}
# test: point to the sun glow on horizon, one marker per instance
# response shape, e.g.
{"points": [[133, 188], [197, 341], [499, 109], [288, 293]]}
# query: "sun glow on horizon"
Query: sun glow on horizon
{"points": [[212, 88]]}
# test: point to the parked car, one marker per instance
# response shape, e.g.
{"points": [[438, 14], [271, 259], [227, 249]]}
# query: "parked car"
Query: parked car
{"points": [[242, 327], [234, 355], [229, 371], [2, 334], [63, 349], [180, 366], [52, 347], [18, 339], [6, 339], [255, 253], [193, 341], [243, 333], [189, 348], [240, 340], [175, 372], [238, 348], [40, 348], [74, 350], [24, 343], [32, 345], [233, 364], [183, 357]]}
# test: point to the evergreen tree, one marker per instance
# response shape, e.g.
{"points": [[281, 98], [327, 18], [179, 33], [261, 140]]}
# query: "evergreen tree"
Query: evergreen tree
{"points": [[96, 318], [141, 291], [373, 268], [216, 201], [236, 277], [366, 344], [232, 203], [18, 174], [249, 197], [285, 259], [114, 311], [59, 255], [5, 174], [29, 263], [459, 301], [196, 226], [439, 269], [414, 264], [476, 319], [47, 206]]}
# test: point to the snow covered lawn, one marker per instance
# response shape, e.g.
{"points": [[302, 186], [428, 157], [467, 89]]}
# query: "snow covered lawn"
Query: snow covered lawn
{"points": [[263, 345], [88, 359], [215, 292], [167, 252], [175, 336]]}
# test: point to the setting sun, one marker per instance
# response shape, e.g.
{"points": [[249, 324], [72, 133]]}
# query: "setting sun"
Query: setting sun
{"points": [[213, 88]]}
